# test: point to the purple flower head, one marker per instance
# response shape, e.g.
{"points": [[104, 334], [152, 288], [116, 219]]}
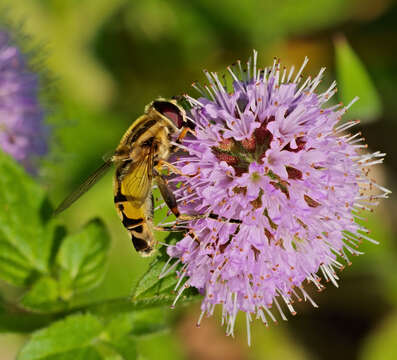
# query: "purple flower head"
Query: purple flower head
{"points": [[22, 132], [280, 184]]}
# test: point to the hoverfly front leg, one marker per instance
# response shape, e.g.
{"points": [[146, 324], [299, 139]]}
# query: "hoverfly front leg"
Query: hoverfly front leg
{"points": [[183, 133], [165, 164]]}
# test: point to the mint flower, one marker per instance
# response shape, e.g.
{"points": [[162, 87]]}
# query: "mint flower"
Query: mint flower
{"points": [[281, 184], [22, 132]]}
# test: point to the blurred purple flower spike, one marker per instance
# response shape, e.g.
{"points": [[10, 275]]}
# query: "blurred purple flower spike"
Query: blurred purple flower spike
{"points": [[271, 158], [22, 131]]}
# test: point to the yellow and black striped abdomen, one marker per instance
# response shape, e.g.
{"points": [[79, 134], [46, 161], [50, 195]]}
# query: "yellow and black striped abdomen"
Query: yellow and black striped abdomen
{"points": [[132, 198], [138, 223]]}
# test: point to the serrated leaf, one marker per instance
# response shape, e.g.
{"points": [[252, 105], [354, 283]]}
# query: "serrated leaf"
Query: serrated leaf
{"points": [[82, 259], [24, 248], [150, 283], [354, 80], [43, 296], [70, 338]]}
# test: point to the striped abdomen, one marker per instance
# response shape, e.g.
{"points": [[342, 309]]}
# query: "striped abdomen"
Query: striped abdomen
{"points": [[138, 223], [132, 198]]}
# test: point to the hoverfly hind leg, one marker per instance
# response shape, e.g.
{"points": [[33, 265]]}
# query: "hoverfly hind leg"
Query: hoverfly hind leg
{"points": [[170, 200], [170, 228], [166, 193]]}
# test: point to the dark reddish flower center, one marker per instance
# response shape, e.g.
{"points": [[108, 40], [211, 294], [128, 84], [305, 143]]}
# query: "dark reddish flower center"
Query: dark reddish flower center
{"points": [[239, 154]]}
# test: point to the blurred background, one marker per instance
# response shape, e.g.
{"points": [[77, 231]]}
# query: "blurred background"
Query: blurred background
{"points": [[109, 58]]}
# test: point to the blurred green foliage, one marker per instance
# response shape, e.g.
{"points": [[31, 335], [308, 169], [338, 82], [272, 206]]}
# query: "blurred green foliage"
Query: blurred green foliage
{"points": [[108, 58], [354, 81]]}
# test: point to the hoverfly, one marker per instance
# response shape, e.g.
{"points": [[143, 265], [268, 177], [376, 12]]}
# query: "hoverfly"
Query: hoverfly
{"points": [[139, 158]]}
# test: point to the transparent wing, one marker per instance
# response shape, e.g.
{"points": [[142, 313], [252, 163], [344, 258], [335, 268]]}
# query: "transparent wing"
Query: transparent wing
{"points": [[137, 184], [86, 185]]}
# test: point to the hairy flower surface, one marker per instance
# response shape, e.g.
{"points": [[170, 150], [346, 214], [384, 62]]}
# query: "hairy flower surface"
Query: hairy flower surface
{"points": [[280, 183], [22, 133]]}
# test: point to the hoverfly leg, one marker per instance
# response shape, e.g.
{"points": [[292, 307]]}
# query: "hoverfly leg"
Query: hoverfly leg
{"points": [[183, 133], [166, 193], [170, 200], [169, 229], [165, 164]]}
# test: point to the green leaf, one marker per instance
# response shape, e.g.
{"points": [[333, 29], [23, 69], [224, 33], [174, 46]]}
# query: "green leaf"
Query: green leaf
{"points": [[43, 296], [92, 337], [88, 353], [24, 247], [126, 347], [354, 80], [119, 325], [121, 331], [71, 338], [153, 289], [150, 284], [142, 322], [82, 259]]}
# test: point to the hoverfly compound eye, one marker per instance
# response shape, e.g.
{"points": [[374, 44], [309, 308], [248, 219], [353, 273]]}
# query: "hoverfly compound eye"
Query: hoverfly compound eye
{"points": [[171, 111]]}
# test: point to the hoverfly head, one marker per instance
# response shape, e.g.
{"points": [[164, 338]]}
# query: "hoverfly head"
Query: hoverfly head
{"points": [[171, 111]]}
